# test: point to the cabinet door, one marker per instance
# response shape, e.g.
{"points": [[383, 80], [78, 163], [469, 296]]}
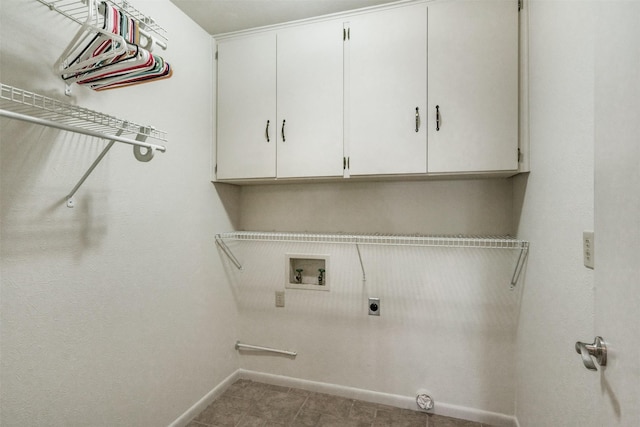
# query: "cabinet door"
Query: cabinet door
{"points": [[473, 84], [310, 100], [387, 54], [246, 103]]}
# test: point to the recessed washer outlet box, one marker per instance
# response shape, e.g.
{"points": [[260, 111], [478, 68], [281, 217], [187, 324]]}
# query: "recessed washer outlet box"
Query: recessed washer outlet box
{"points": [[307, 271]]}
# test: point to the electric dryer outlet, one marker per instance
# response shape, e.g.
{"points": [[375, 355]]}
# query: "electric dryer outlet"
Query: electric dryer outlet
{"points": [[374, 306]]}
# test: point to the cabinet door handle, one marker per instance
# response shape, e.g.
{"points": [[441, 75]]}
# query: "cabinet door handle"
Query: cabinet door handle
{"points": [[437, 117], [417, 119], [283, 138], [267, 131]]}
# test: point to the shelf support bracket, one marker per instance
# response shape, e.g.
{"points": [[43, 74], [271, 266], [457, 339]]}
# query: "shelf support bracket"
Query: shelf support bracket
{"points": [[70, 201], [519, 264], [228, 252], [364, 277]]}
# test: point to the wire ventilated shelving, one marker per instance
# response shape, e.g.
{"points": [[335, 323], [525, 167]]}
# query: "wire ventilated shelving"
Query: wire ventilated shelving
{"points": [[77, 11], [479, 242], [33, 105], [33, 108]]}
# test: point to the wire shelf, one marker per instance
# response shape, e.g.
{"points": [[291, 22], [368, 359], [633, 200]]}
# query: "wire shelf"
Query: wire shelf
{"points": [[491, 242], [42, 107], [481, 242], [77, 11]]}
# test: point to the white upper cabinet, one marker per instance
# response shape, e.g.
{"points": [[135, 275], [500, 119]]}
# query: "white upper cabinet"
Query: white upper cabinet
{"points": [[246, 143], [424, 88], [280, 103], [473, 86], [386, 55], [310, 100]]}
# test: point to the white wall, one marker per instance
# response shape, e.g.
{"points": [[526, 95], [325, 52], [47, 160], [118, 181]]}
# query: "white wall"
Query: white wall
{"points": [[471, 207], [555, 206], [448, 318], [447, 324], [116, 312]]}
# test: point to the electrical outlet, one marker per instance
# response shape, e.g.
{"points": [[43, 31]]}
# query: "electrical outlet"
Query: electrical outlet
{"points": [[374, 306], [279, 298], [588, 248]]}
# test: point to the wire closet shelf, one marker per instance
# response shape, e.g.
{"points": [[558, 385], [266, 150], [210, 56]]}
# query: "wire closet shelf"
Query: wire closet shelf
{"points": [[77, 11], [30, 107], [491, 242], [80, 119], [480, 242]]}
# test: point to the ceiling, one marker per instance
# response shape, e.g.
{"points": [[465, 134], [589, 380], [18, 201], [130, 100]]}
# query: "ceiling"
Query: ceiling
{"points": [[223, 16]]}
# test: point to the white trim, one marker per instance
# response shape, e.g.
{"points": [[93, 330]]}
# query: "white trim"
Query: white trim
{"points": [[345, 14], [405, 402], [208, 398], [398, 401]]}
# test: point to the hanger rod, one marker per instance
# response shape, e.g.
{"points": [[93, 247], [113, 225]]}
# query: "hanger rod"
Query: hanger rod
{"points": [[61, 126], [242, 346]]}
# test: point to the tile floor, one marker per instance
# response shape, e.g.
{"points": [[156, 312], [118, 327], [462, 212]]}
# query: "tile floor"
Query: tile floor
{"points": [[253, 404]]}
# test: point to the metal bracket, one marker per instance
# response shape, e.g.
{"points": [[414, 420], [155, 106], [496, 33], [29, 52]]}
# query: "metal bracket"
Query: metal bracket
{"points": [[70, 201], [364, 277], [143, 157], [519, 264], [228, 252]]}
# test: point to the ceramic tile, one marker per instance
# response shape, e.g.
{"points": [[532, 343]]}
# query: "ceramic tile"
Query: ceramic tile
{"points": [[306, 419], [224, 411], [300, 391], [363, 411], [277, 388], [395, 417], [328, 404], [441, 421], [333, 421], [251, 421], [277, 406], [253, 404], [245, 389]]}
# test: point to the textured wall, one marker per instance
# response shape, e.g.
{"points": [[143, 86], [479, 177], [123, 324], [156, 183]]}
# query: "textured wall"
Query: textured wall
{"points": [[476, 207], [447, 324], [555, 206], [116, 312]]}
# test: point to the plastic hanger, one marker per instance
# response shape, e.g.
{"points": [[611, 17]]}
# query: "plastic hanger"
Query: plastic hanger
{"points": [[104, 44], [162, 71]]}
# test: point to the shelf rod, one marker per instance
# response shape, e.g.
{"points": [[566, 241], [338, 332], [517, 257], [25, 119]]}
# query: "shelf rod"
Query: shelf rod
{"points": [[61, 126], [241, 346], [228, 252]]}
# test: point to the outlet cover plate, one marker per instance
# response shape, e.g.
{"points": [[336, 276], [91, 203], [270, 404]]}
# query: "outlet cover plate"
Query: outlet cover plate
{"points": [[279, 298], [588, 249]]}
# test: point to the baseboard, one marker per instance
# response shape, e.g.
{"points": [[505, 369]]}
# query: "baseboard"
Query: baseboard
{"points": [[202, 404], [405, 402]]}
